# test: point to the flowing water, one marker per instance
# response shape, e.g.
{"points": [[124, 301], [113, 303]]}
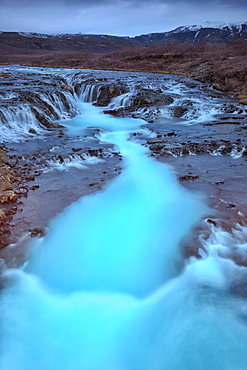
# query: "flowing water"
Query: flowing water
{"points": [[108, 288]]}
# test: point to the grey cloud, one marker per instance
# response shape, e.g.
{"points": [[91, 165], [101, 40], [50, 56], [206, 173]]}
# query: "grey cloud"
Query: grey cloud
{"points": [[121, 17]]}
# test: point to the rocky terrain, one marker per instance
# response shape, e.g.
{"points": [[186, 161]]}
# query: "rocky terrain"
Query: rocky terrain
{"points": [[192, 126]]}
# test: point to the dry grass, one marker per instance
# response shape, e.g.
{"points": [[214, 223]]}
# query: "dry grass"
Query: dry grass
{"points": [[224, 65]]}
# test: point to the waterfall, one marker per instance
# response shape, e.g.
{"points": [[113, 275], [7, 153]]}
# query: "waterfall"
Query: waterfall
{"points": [[26, 120], [64, 105], [89, 93], [121, 101], [17, 123]]}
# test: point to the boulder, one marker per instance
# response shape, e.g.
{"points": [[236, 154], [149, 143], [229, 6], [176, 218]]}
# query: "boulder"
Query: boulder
{"points": [[107, 93]]}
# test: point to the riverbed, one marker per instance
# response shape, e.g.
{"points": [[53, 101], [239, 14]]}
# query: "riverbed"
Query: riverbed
{"points": [[143, 264]]}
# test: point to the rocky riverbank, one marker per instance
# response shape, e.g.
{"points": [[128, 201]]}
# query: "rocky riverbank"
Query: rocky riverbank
{"points": [[37, 183]]}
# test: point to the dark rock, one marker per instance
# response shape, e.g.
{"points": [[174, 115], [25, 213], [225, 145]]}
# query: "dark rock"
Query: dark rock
{"points": [[107, 93], [179, 111], [75, 150], [210, 221], [188, 178], [32, 131], [37, 232], [171, 134], [34, 187]]}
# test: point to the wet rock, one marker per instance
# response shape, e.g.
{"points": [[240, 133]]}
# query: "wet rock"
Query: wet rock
{"points": [[146, 97], [30, 178], [34, 187], [22, 192], [179, 111], [212, 222], [4, 75], [68, 88], [157, 147], [114, 112], [75, 150], [172, 133], [95, 152], [188, 178], [43, 119], [37, 232], [107, 93], [32, 131]]}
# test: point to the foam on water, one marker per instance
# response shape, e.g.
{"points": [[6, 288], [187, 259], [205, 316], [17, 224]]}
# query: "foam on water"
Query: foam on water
{"points": [[107, 288], [121, 101], [19, 123], [73, 161]]}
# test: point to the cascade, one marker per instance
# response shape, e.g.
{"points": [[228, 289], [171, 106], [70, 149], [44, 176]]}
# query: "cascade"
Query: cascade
{"points": [[63, 104], [120, 101], [89, 93], [17, 123]]}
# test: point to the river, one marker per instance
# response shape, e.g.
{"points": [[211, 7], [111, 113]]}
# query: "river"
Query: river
{"points": [[108, 286]]}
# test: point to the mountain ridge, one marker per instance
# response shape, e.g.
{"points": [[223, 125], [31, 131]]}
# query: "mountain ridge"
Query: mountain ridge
{"points": [[19, 43]]}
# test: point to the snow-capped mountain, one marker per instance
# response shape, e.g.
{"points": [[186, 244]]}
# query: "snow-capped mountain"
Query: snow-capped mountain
{"points": [[211, 32], [20, 43]]}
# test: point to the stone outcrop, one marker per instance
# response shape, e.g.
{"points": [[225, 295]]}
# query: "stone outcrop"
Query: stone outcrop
{"points": [[107, 93]]}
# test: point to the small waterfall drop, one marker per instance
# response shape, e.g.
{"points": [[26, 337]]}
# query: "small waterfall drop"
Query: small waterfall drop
{"points": [[28, 119], [89, 93], [121, 101], [17, 123]]}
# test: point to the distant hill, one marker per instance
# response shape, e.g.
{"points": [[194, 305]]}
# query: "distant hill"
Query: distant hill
{"points": [[30, 43], [16, 43]]}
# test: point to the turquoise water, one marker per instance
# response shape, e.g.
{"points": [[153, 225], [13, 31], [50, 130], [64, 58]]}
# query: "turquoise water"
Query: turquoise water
{"points": [[107, 287]]}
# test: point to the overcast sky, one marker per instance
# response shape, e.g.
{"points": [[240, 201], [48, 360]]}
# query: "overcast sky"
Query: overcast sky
{"points": [[120, 17]]}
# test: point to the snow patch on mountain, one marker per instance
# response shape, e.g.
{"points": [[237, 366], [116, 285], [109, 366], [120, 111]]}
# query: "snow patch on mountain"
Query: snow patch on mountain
{"points": [[34, 34], [237, 27]]}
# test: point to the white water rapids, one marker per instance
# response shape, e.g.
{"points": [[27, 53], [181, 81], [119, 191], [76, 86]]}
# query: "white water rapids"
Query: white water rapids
{"points": [[107, 288]]}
